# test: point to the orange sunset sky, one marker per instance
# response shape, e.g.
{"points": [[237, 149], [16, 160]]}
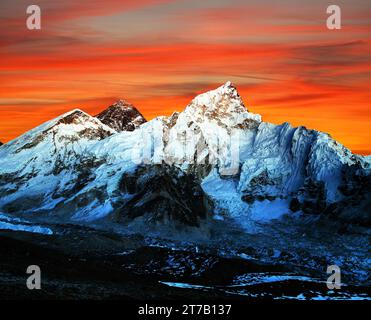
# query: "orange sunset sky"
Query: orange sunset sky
{"points": [[158, 54]]}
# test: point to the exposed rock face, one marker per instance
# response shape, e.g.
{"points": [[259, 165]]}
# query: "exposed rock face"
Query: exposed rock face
{"points": [[77, 164], [355, 205], [162, 194], [122, 116]]}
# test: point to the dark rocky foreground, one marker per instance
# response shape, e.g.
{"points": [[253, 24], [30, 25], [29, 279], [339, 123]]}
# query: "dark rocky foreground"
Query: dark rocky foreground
{"points": [[83, 263]]}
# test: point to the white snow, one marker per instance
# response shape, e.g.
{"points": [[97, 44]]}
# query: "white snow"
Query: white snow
{"points": [[15, 224], [249, 279], [26, 228], [269, 210], [184, 285]]}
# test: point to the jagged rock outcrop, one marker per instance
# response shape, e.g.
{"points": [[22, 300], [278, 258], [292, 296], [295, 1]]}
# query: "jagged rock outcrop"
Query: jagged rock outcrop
{"points": [[161, 194], [122, 116]]}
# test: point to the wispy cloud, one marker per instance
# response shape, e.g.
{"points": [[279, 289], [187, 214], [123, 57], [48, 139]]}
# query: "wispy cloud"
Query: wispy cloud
{"points": [[160, 53]]}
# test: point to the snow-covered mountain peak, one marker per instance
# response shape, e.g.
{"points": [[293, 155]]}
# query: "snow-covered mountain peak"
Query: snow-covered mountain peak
{"points": [[121, 104], [122, 116], [223, 106], [73, 122], [75, 116], [71, 126]]}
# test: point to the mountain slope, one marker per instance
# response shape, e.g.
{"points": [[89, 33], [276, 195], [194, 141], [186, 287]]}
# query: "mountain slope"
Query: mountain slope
{"points": [[48, 161]]}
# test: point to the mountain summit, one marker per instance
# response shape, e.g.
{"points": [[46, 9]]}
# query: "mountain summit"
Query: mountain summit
{"points": [[121, 116], [223, 106]]}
